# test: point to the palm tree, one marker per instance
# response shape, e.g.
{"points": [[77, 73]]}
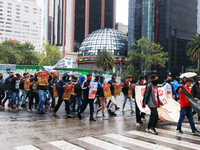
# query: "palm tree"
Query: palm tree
{"points": [[105, 60]]}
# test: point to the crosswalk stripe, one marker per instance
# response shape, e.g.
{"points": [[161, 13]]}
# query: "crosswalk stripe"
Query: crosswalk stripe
{"points": [[27, 147], [182, 128], [188, 136], [65, 145], [137, 142], [165, 139], [101, 144]]}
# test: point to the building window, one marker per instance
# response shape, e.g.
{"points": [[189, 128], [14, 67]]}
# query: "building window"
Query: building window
{"points": [[34, 30], [17, 28], [18, 9], [17, 32], [9, 4], [18, 5], [17, 17], [18, 13], [17, 20], [1, 22], [9, 15], [25, 33], [8, 27], [1, 6], [25, 21], [9, 23], [34, 34], [9, 11], [26, 25], [1, 30], [26, 10], [9, 19], [34, 8], [26, 7], [1, 2], [35, 12], [9, 8], [1, 18], [1, 25], [17, 24], [25, 29], [1, 14], [33, 23], [8, 30]]}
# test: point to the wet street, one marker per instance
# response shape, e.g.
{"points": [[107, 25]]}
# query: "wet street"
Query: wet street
{"points": [[23, 130]]}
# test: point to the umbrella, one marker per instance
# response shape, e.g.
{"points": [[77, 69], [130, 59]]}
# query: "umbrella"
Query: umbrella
{"points": [[188, 75]]}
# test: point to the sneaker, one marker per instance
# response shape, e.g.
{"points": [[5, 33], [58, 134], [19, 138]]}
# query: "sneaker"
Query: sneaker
{"points": [[124, 110], [139, 123], [179, 131], [69, 116], [92, 119], [42, 112], [19, 108], [147, 129], [79, 116], [105, 118], [195, 132], [29, 110], [109, 111], [2, 104], [116, 108], [113, 114], [13, 106], [8, 107], [153, 131]]}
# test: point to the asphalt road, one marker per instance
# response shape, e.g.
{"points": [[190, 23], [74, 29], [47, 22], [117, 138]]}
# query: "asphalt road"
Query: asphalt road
{"points": [[23, 130]]}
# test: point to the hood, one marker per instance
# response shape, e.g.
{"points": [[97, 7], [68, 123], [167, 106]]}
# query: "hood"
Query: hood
{"points": [[81, 80], [67, 77], [65, 74], [198, 77]]}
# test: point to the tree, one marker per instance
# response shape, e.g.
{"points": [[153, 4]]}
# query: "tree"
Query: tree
{"points": [[193, 49], [130, 70], [105, 60], [145, 54], [50, 54]]}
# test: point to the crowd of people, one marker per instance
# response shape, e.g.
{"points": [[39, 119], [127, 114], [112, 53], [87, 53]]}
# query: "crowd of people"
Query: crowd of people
{"points": [[14, 90]]}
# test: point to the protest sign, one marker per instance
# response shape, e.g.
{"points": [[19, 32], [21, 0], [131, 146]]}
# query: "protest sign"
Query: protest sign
{"points": [[43, 77], [67, 93], [55, 94], [27, 85], [106, 90], [93, 90], [117, 90], [130, 90]]}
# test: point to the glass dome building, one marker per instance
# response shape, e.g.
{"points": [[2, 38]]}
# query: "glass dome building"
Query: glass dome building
{"points": [[104, 39]]}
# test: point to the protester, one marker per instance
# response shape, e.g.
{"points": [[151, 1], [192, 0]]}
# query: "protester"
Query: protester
{"points": [[2, 92], [52, 85], [139, 115], [78, 91], [85, 87], [111, 108], [61, 86], [183, 81], [186, 109], [125, 88], [102, 98], [73, 94], [15, 92], [97, 79], [176, 85], [7, 86], [24, 92], [151, 97], [170, 88]]}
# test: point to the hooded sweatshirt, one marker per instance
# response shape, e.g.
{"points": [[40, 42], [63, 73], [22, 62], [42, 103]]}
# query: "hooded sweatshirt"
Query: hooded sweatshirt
{"points": [[78, 89], [61, 83]]}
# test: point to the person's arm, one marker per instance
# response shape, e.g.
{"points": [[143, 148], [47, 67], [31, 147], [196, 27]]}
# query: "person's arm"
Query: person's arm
{"points": [[180, 91], [193, 91], [146, 95], [133, 92], [60, 84]]}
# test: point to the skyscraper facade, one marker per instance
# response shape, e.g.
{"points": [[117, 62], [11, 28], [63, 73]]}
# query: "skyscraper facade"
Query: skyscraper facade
{"points": [[21, 21], [70, 21], [168, 22]]}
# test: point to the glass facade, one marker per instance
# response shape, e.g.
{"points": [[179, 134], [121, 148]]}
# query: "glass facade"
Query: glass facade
{"points": [[177, 24], [105, 39]]}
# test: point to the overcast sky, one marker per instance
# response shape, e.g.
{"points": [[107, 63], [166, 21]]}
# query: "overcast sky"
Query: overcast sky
{"points": [[122, 10]]}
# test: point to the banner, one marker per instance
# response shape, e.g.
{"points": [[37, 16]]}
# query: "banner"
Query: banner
{"points": [[169, 111], [55, 94], [65, 63], [43, 77], [67, 93], [117, 90], [55, 73], [106, 91], [130, 90], [93, 90], [193, 101], [27, 85]]}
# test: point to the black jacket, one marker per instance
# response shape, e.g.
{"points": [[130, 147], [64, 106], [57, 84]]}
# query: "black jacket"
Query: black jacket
{"points": [[195, 90], [15, 85], [100, 91], [112, 87], [78, 89], [86, 89], [2, 84], [149, 97], [7, 83], [125, 88]]}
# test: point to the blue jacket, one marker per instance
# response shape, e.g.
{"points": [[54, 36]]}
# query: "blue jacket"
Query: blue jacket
{"points": [[61, 83]]}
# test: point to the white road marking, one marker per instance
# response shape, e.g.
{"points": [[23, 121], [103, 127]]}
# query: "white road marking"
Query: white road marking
{"points": [[101, 144], [137, 142], [165, 139], [27, 147], [65, 145]]}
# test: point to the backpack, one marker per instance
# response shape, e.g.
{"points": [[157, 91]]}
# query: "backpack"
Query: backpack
{"points": [[123, 88]]}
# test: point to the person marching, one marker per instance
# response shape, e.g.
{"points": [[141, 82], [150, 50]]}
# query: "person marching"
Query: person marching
{"points": [[125, 88], [186, 109], [151, 97], [78, 91], [15, 92], [111, 108], [73, 94], [24, 92], [2, 92], [61, 86], [139, 115], [53, 84], [33, 93], [7, 86], [101, 97], [85, 87]]}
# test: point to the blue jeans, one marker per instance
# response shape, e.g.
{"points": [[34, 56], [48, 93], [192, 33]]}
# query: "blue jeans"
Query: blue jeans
{"points": [[79, 104], [42, 97], [7, 96], [186, 111], [24, 97], [125, 99], [13, 99]]}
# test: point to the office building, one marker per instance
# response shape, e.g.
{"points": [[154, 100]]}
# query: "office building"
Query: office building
{"points": [[20, 21]]}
